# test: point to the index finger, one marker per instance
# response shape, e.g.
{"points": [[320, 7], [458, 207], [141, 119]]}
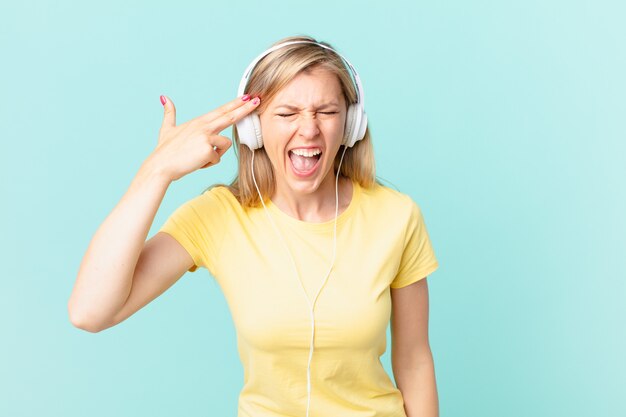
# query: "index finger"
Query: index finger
{"points": [[233, 116], [225, 108]]}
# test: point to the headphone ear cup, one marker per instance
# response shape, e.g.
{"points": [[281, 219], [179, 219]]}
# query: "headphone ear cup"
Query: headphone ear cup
{"points": [[356, 123], [362, 126], [256, 123], [249, 131], [349, 128]]}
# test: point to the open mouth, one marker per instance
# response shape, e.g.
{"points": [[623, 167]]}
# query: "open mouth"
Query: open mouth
{"points": [[305, 163]]}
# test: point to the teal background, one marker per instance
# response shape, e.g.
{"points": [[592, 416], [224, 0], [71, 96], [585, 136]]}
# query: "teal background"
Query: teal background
{"points": [[505, 121]]}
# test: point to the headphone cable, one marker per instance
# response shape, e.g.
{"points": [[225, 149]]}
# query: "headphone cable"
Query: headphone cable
{"points": [[311, 305]]}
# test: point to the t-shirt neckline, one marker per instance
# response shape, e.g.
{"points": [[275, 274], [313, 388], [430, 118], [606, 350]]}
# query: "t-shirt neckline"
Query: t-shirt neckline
{"points": [[323, 226]]}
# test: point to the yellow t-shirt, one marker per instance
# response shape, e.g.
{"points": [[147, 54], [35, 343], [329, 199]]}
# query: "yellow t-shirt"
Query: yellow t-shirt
{"points": [[382, 242]]}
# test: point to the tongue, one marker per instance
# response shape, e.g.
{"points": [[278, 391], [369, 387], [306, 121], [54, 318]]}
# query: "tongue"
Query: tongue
{"points": [[303, 163]]}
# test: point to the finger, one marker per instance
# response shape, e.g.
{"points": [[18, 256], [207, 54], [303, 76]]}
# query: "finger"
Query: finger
{"points": [[221, 144], [230, 106], [208, 165], [214, 160], [234, 116], [169, 114]]}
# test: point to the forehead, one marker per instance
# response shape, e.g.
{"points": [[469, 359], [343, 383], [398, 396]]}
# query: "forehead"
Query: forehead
{"points": [[316, 86]]}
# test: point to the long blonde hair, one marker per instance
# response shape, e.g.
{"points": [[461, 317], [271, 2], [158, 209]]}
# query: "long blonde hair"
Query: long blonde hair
{"points": [[272, 73]]}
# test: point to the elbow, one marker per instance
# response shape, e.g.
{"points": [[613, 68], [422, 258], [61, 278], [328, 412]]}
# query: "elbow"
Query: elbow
{"points": [[81, 322], [87, 328], [84, 325]]}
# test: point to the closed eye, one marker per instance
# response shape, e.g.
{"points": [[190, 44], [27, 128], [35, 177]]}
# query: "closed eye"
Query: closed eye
{"points": [[291, 114]]}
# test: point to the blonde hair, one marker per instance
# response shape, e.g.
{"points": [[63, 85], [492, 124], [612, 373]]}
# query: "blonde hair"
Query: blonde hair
{"points": [[270, 75]]}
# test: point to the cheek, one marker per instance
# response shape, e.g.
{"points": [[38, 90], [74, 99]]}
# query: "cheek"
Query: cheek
{"points": [[341, 121], [276, 129], [275, 139], [335, 127]]}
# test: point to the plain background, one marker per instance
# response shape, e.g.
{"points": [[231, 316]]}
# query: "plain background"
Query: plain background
{"points": [[505, 121]]}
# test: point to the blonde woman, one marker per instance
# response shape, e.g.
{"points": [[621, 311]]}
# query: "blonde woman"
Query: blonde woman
{"points": [[314, 255]]}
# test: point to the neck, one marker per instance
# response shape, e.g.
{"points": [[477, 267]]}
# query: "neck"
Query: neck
{"points": [[317, 206]]}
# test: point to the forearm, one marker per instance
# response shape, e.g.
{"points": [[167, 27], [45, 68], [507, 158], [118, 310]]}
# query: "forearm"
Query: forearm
{"points": [[419, 389], [105, 275]]}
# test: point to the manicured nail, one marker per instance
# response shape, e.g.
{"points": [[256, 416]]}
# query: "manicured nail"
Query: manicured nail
{"points": [[256, 101], [246, 97], [163, 100]]}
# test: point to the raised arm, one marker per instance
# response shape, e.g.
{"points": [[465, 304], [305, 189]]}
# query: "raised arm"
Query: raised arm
{"points": [[121, 272]]}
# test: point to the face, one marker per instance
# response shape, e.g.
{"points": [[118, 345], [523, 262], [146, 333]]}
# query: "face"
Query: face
{"points": [[306, 117]]}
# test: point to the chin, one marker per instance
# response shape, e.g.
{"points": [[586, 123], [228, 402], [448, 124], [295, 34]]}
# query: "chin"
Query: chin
{"points": [[303, 186]]}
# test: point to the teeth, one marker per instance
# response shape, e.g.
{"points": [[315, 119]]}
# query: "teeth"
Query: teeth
{"points": [[307, 152]]}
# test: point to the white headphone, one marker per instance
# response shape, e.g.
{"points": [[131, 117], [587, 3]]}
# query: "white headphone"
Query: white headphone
{"points": [[249, 130], [249, 127]]}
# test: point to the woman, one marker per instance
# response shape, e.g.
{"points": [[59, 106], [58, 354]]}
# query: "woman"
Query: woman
{"points": [[314, 256]]}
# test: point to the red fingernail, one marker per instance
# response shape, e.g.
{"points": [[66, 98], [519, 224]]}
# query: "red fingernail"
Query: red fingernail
{"points": [[256, 101], [163, 100], [246, 97]]}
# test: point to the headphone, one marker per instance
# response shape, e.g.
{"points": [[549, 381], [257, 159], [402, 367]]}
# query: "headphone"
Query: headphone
{"points": [[249, 127], [249, 130]]}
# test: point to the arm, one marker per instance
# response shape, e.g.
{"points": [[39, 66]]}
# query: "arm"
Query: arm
{"points": [[411, 358], [105, 275], [120, 272]]}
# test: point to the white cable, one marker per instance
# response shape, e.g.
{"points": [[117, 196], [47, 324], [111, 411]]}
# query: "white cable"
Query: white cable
{"points": [[311, 305]]}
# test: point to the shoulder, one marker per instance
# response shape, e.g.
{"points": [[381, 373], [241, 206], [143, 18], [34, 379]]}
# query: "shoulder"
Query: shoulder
{"points": [[212, 205], [389, 200], [218, 195]]}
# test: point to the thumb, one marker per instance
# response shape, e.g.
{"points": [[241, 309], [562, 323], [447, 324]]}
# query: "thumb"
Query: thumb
{"points": [[169, 115]]}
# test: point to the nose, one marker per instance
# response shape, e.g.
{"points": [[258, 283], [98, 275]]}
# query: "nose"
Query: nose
{"points": [[308, 127]]}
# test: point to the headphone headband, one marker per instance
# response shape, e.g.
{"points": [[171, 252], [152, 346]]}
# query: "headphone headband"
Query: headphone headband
{"points": [[248, 71]]}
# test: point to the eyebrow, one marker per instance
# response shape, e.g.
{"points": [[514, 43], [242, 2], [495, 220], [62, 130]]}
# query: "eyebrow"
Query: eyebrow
{"points": [[322, 106]]}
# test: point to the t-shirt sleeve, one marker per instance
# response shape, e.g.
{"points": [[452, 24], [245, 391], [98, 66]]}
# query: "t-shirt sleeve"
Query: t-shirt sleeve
{"points": [[198, 226], [418, 257]]}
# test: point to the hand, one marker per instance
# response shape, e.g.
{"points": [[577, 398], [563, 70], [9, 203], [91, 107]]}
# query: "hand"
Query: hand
{"points": [[196, 144]]}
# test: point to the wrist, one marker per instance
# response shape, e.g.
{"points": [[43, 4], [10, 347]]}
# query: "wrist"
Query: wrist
{"points": [[150, 171]]}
